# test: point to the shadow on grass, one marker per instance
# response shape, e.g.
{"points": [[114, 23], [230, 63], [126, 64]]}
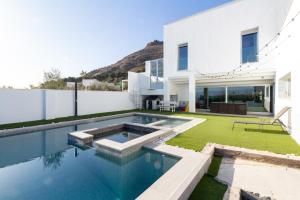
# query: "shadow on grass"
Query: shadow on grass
{"points": [[267, 131], [209, 188]]}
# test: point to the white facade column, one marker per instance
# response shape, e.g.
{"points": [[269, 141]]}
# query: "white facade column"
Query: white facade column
{"points": [[226, 94], [166, 91], [192, 93]]}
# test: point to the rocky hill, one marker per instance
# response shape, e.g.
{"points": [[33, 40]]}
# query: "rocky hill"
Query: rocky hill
{"points": [[134, 62]]}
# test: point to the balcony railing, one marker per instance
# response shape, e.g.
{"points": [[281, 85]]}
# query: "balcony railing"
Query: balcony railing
{"points": [[156, 83], [156, 74]]}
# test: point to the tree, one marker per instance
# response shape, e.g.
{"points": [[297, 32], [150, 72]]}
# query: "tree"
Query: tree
{"points": [[52, 75], [53, 80], [83, 73]]}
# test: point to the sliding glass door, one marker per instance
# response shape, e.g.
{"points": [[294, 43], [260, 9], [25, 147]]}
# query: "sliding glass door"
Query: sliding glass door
{"points": [[205, 96], [253, 96]]}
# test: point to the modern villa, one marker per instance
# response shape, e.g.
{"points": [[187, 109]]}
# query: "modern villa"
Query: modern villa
{"points": [[242, 53], [216, 118]]}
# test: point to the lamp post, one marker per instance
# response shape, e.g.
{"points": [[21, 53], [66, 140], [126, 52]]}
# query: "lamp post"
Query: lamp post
{"points": [[75, 81], [75, 99]]}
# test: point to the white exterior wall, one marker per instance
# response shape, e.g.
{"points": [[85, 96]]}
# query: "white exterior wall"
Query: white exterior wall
{"points": [[30, 105], [287, 60], [214, 36], [182, 91], [90, 102]]}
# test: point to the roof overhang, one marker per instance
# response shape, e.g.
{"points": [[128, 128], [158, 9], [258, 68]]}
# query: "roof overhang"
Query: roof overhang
{"points": [[245, 78]]}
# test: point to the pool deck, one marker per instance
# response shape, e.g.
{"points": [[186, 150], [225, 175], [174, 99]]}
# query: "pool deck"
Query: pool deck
{"points": [[277, 182], [180, 181]]}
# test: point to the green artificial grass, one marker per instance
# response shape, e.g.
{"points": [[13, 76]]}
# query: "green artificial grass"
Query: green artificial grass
{"points": [[208, 189], [218, 129], [62, 119], [214, 166]]}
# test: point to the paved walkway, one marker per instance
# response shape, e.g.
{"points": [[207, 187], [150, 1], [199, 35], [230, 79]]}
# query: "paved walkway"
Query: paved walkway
{"points": [[278, 182]]}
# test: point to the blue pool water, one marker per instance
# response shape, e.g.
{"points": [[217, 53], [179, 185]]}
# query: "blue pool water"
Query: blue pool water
{"points": [[122, 136], [170, 123], [76, 174], [42, 165]]}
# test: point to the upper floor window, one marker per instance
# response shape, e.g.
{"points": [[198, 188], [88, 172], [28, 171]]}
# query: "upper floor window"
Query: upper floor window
{"points": [[249, 47], [157, 68], [183, 57], [156, 74]]}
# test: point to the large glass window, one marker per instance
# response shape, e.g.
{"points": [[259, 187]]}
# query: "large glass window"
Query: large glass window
{"points": [[183, 57], [156, 74], [206, 96], [249, 48], [252, 96]]}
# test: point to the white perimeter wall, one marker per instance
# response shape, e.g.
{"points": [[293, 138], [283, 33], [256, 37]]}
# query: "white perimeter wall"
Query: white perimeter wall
{"points": [[59, 103], [21, 105], [103, 101], [30, 105]]}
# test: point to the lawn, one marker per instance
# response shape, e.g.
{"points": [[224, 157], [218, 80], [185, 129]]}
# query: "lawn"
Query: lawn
{"points": [[218, 129], [208, 188]]}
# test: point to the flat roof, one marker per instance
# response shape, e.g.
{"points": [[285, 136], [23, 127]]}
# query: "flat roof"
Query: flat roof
{"points": [[205, 11]]}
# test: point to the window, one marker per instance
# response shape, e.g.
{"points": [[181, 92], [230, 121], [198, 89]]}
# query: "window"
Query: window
{"points": [[174, 98], [284, 87], [183, 57], [253, 96], [206, 96], [156, 74], [249, 48]]}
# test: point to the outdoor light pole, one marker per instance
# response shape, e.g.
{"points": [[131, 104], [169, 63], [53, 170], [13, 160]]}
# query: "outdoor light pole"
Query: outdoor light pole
{"points": [[75, 99]]}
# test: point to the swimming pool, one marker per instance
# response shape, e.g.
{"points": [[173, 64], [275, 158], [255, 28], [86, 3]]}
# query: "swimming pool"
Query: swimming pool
{"points": [[42, 165], [76, 174]]}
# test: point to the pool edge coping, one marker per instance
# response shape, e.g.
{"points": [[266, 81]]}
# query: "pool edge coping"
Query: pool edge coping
{"points": [[23, 130], [165, 189], [180, 180]]}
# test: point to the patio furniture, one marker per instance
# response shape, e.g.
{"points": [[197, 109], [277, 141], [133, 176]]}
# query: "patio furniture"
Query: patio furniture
{"points": [[167, 106], [229, 108], [183, 106], [276, 119]]}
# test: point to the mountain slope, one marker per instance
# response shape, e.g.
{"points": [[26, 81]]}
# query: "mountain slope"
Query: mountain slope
{"points": [[134, 62]]}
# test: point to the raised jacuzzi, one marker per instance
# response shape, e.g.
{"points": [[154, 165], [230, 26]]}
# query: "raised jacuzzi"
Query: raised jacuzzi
{"points": [[120, 139]]}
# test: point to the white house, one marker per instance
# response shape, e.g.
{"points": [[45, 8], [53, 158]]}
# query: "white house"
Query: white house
{"points": [[90, 82], [233, 53]]}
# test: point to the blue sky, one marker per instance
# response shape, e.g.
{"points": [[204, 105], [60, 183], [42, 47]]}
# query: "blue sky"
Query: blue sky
{"points": [[75, 35]]}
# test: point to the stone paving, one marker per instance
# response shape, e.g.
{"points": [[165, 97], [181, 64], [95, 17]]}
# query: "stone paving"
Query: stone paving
{"points": [[277, 182]]}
